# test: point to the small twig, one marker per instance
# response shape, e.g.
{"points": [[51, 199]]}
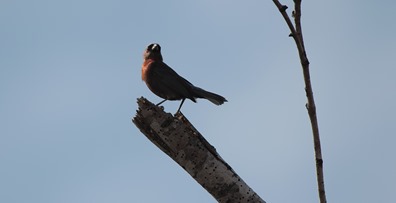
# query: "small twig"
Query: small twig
{"points": [[296, 33]]}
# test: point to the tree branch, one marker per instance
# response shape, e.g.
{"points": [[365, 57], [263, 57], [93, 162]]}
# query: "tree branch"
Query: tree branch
{"points": [[178, 138], [297, 35]]}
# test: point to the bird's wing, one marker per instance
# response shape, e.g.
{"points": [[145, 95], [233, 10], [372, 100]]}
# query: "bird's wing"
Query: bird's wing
{"points": [[169, 82]]}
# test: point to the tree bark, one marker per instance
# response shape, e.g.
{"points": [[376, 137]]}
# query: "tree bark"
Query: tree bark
{"points": [[178, 138]]}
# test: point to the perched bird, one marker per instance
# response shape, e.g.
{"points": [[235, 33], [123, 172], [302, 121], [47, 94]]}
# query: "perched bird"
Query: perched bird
{"points": [[163, 81]]}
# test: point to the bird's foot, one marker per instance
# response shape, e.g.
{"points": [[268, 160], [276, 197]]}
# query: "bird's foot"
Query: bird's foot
{"points": [[178, 114]]}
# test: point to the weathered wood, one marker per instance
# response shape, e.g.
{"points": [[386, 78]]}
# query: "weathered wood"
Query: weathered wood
{"points": [[178, 138]]}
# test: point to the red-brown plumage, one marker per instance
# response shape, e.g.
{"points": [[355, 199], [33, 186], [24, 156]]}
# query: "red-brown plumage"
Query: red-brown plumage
{"points": [[163, 81], [145, 66]]}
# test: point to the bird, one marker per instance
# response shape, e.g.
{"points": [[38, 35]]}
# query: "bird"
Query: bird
{"points": [[164, 82]]}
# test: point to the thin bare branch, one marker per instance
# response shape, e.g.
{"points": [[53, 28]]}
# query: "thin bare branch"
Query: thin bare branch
{"points": [[311, 107]]}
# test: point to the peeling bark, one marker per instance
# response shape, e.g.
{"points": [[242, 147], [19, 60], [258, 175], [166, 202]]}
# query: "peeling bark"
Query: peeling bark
{"points": [[178, 138]]}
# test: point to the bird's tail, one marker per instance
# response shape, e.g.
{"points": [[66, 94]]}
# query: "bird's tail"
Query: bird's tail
{"points": [[214, 98]]}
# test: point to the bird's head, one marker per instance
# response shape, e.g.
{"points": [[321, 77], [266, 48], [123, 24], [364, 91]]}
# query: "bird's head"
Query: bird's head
{"points": [[153, 51]]}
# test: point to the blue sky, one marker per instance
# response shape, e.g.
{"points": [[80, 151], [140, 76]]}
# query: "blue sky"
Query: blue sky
{"points": [[70, 76]]}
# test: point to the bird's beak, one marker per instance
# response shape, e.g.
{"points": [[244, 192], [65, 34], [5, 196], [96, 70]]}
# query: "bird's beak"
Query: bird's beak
{"points": [[155, 47]]}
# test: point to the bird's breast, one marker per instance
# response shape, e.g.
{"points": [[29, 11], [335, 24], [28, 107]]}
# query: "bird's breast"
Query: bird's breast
{"points": [[146, 68]]}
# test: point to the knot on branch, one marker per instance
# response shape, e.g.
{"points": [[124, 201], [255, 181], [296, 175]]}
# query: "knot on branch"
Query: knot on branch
{"points": [[283, 8]]}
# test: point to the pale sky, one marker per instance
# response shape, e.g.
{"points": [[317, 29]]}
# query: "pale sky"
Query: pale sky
{"points": [[70, 76]]}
